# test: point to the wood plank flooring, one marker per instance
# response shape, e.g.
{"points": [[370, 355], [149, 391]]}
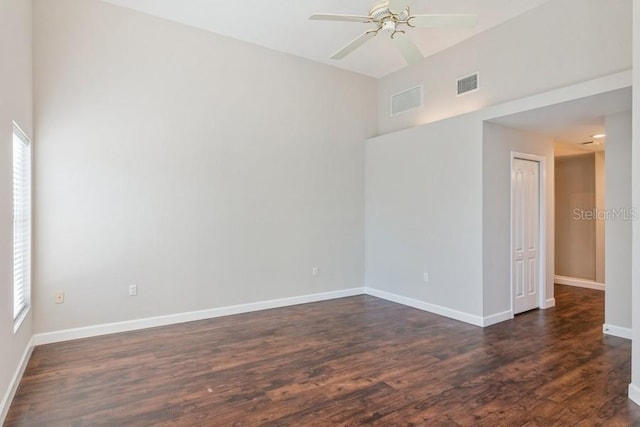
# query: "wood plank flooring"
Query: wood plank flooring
{"points": [[353, 361]]}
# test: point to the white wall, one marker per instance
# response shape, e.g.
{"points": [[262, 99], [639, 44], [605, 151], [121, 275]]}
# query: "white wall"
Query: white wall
{"points": [[601, 192], [438, 201], [618, 230], [15, 105], [562, 42], [498, 143], [424, 214], [634, 388], [207, 171]]}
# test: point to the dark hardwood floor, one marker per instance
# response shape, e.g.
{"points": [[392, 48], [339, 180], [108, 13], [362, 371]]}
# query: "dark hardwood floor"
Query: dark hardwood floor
{"points": [[353, 361]]}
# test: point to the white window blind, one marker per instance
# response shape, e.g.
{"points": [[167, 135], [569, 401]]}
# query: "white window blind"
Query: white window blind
{"points": [[21, 222]]}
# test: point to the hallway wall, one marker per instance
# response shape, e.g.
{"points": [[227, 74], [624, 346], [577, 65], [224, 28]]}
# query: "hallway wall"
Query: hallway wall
{"points": [[575, 196], [618, 225]]}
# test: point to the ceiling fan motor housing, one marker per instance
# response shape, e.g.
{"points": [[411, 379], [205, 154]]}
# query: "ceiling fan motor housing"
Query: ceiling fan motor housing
{"points": [[380, 13]]}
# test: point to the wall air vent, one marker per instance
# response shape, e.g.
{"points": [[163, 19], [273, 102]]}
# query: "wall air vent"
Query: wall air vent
{"points": [[468, 84], [407, 100]]}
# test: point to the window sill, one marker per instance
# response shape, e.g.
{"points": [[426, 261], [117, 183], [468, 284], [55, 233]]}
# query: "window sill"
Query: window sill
{"points": [[18, 322]]}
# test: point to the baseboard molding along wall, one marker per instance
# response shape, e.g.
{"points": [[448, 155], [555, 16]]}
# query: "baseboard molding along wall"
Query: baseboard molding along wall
{"points": [[616, 331], [549, 303], [5, 404], [152, 322], [579, 283], [497, 318], [634, 393], [441, 311]]}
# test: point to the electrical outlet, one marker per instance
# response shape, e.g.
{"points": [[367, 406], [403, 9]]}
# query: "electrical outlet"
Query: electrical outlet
{"points": [[59, 298], [133, 290], [314, 271], [425, 277]]}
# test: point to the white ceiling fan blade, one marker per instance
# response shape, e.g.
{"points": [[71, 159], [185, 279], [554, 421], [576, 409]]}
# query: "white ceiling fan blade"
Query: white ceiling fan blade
{"points": [[443, 21], [354, 45], [344, 18], [397, 6], [407, 48]]}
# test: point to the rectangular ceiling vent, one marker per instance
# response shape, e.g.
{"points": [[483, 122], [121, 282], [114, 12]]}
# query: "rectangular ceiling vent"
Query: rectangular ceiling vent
{"points": [[468, 84], [407, 100]]}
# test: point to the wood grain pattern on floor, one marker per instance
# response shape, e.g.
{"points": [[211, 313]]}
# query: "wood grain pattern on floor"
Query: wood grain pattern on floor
{"points": [[352, 361]]}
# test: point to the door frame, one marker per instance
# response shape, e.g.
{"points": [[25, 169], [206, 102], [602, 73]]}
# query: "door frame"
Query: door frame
{"points": [[542, 233]]}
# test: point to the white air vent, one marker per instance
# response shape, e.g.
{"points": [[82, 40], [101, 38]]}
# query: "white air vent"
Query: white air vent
{"points": [[407, 100], [468, 83]]}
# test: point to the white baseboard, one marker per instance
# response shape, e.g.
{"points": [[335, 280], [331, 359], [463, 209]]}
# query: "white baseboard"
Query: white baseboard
{"points": [[634, 393], [5, 404], [497, 318], [549, 303], [425, 306], [616, 331], [579, 283], [151, 322]]}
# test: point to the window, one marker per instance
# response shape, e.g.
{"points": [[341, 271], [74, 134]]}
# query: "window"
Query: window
{"points": [[21, 223]]}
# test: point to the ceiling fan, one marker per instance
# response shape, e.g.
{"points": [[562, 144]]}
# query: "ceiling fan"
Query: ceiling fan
{"points": [[393, 17]]}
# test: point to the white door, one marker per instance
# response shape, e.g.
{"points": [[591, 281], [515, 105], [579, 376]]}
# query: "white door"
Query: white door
{"points": [[525, 232]]}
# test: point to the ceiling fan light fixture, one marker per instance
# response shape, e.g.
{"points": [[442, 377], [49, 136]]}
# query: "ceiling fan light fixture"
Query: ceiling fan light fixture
{"points": [[599, 136], [389, 26]]}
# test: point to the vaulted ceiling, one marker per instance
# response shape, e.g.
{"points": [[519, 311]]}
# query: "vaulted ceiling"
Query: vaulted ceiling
{"points": [[283, 25]]}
